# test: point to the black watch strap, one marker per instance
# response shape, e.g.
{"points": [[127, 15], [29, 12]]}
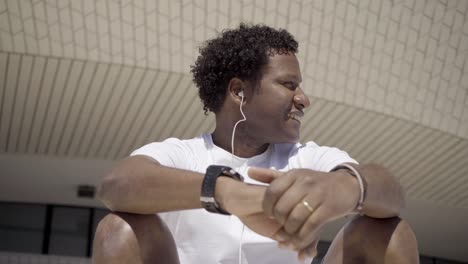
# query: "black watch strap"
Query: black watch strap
{"points": [[209, 184]]}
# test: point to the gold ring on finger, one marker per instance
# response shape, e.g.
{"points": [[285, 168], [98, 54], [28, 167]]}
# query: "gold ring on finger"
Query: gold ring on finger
{"points": [[307, 205]]}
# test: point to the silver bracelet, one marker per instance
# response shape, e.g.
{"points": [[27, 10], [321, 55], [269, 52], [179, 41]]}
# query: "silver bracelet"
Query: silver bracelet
{"points": [[362, 184]]}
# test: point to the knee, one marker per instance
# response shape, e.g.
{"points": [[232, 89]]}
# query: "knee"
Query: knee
{"points": [[132, 238], [403, 245], [115, 241], [391, 239]]}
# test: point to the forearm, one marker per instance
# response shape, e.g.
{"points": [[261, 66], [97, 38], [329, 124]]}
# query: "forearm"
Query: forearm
{"points": [[384, 194], [140, 185]]}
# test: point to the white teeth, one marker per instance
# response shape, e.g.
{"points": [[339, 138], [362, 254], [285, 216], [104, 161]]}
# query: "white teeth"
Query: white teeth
{"points": [[295, 117]]}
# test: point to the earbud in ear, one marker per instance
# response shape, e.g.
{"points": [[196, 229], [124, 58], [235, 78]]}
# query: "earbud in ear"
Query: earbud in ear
{"points": [[241, 93]]}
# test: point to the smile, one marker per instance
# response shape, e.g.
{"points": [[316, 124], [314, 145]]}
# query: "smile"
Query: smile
{"points": [[295, 117]]}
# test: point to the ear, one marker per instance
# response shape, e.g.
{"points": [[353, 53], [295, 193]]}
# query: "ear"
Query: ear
{"points": [[234, 89]]}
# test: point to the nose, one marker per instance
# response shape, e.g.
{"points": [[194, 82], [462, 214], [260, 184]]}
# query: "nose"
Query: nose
{"points": [[301, 100]]}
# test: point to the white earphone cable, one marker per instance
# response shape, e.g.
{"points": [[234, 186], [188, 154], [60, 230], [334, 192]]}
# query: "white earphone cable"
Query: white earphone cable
{"points": [[234, 129], [232, 163]]}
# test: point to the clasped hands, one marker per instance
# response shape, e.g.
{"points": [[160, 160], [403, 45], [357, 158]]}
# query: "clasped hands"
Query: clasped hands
{"points": [[296, 205]]}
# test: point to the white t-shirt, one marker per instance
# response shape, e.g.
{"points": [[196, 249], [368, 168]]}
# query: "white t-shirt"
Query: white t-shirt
{"points": [[206, 238]]}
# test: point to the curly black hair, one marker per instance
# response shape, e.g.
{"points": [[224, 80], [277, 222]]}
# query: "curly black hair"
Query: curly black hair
{"points": [[240, 53]]}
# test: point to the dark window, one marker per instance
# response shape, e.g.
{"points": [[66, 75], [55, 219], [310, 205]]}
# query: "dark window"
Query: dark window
{"points": [[22, 227], [69, 231]]}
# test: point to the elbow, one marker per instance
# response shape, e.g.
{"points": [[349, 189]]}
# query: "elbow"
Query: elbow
{"points": [[399, 203]]}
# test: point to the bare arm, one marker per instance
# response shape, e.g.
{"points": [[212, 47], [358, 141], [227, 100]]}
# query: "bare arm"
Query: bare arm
{"points": [[139, 184], [329, 196], [385, 196]]}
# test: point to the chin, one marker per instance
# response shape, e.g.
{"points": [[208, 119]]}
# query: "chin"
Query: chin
{"points": [[294, 137], [294, 140]]}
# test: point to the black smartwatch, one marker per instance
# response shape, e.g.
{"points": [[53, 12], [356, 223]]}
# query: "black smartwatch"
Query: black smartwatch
{"points": [[209, 184]]}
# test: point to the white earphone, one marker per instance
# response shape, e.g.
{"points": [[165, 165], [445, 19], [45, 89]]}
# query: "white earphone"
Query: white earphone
{"points": [[241, 94]]}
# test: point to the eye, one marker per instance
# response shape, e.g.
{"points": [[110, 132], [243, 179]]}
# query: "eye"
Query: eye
{"points": [[290, 85]]}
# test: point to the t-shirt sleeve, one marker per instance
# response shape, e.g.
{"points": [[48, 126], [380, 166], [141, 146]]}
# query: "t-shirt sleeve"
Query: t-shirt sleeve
{"points": [[321, 158], [172, 152]]}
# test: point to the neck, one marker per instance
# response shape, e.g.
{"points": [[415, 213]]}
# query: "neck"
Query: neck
{"points": [[245, 146]]}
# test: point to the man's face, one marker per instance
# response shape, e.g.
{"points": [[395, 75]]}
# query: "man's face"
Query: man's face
{"points": [[275, 108]]}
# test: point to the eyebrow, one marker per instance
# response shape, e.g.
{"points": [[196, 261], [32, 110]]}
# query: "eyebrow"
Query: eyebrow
{"points": [[290, 76]]}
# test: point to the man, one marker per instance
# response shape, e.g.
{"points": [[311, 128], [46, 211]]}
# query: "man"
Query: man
{"points": [[250, 78]]}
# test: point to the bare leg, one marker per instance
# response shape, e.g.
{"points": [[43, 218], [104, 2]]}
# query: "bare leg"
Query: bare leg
{"points": [[369, 240], [132, 238]]}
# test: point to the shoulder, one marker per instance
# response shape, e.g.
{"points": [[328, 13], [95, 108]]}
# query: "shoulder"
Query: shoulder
{"points": [[173, 152], [313, 156], [172, 144]]}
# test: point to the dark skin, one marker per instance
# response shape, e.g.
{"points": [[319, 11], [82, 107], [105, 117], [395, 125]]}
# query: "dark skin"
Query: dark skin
{"points": [[268, 106], [274, 107]]}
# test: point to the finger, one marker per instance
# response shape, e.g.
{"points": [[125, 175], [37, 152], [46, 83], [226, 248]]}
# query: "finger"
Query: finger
{"points": [[286, 204], [286, 245], [309, 231], [264, 175], [282, 236], [274, 192], [298, 216], [309, 252]]}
